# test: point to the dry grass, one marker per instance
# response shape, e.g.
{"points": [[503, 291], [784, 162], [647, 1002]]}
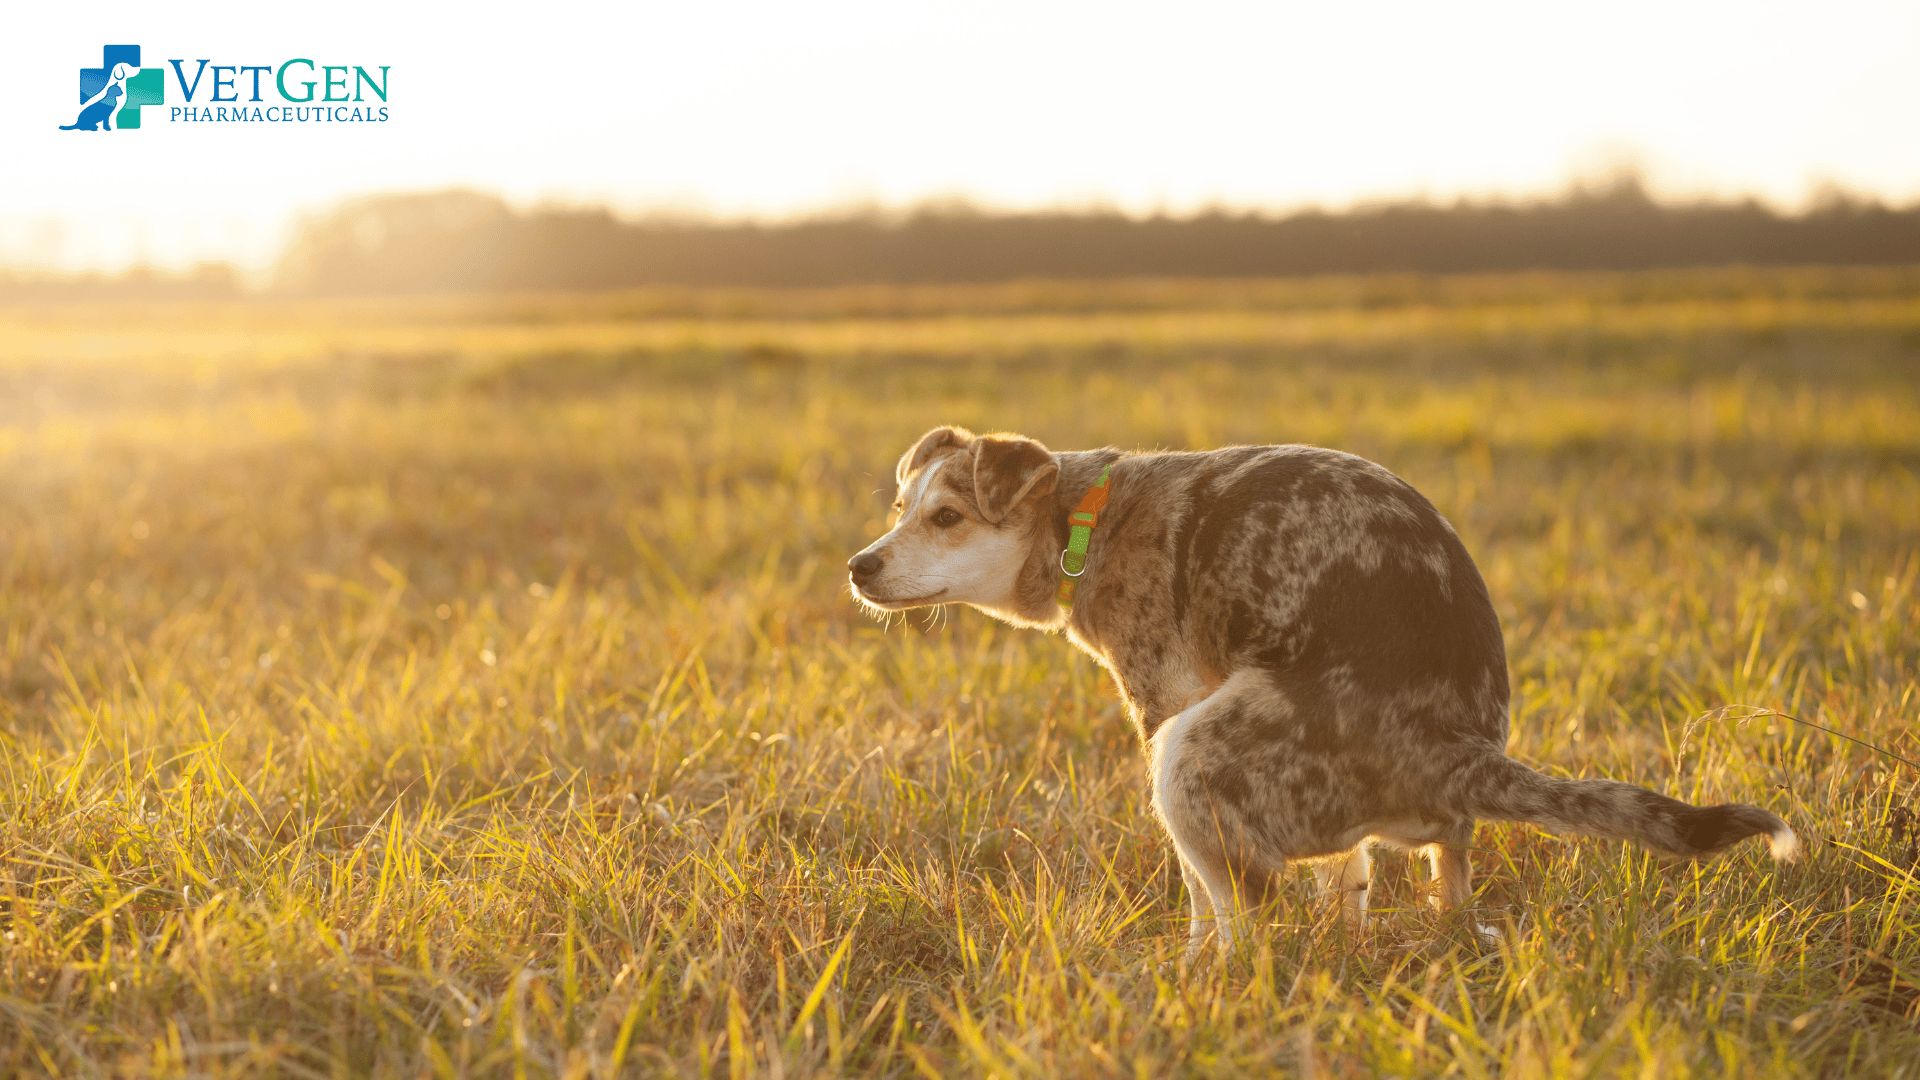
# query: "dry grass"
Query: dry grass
{"points": [[469, 687]]}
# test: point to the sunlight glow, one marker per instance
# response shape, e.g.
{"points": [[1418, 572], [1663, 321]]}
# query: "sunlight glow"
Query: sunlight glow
{"points": [[772, 109]]}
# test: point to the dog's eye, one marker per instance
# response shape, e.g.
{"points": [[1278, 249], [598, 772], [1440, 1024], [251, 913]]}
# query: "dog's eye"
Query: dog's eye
{"points": [[947, 517]]}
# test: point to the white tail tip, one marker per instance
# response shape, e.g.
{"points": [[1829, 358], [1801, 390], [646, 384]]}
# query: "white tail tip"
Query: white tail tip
{"points": [[1784, 844]]}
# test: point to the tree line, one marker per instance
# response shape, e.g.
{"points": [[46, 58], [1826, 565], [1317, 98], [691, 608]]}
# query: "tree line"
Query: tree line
{"points": [[471, 241]]}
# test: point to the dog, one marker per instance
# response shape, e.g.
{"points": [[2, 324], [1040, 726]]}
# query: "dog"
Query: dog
{"points": [[1309, 655]]}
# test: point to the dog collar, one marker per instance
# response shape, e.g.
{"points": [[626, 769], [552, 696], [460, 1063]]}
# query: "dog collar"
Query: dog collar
{"points": [[1080, 523]]}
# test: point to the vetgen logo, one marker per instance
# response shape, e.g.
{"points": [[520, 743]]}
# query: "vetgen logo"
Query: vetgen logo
{"points": [[298, 91], [111, 95]]}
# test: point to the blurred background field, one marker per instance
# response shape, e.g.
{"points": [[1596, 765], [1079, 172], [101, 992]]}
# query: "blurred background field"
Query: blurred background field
{"points": [[468, 684]]}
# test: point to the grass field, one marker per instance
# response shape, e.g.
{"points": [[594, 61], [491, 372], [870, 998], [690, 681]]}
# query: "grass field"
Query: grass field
{"points": [[470, 686]]}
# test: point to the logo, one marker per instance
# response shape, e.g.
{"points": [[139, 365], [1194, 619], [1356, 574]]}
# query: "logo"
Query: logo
{"points": [[298, 91], [111, 94]]}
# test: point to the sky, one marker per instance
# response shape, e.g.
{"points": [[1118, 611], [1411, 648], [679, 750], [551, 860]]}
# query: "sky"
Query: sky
{"points": [[772, 109]]}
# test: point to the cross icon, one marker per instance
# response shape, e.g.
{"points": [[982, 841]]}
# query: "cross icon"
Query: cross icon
{"points": [[142, 87]]}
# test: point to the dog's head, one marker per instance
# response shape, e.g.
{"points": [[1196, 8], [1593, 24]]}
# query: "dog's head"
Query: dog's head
{"points": [[966, 515]]}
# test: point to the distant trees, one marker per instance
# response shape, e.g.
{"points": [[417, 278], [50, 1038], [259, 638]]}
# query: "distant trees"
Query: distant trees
{"points": [[207, 281], [465, 240]]}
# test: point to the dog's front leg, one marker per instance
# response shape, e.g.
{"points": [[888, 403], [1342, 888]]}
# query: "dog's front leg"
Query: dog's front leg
{"points": [[1200, 794], [1346, 878], [1199, 907]]}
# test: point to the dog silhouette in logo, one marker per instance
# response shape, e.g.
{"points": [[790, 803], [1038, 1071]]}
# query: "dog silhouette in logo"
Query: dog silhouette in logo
{"points": [[98, 113]]}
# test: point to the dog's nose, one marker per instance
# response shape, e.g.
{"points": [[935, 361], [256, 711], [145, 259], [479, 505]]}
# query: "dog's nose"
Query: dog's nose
{"points": [[864, 565]]}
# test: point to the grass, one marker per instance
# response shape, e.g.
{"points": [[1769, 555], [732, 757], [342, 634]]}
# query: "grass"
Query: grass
{"points": [[469, 687]]}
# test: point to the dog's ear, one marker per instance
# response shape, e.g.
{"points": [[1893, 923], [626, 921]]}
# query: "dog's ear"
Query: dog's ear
{"points": [[938, 439], [1008, 470]]}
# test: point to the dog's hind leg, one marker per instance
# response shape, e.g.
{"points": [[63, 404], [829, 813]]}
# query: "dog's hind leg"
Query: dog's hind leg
{"points": [[1346, 877], [1453, 876], [1452, 871]]}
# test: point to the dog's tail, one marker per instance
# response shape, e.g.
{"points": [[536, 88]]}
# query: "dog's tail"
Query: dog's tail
{"points": [[1498, 788]]}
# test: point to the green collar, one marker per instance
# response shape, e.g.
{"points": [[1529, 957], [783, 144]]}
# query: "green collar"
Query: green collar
{"points": [[1080, 523]]}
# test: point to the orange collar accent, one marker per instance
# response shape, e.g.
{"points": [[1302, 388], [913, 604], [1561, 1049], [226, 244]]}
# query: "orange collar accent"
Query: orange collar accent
{"points": [[1080, 523]]}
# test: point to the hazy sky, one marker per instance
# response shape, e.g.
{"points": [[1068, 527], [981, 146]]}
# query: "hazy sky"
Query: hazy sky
{"points": [[769, 108]]}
